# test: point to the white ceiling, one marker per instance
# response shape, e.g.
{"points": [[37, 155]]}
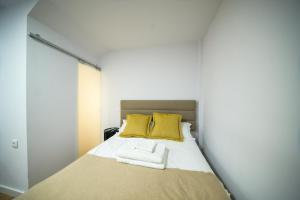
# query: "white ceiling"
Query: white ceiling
{"points": [[106, 25], [7, 3]]}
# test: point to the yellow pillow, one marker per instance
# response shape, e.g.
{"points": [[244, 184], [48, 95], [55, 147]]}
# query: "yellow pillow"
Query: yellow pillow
{"points": [[166, 126], [137, 125]]}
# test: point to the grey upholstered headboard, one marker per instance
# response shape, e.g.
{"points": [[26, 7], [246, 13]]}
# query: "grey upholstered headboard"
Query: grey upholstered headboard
{"points": [[186, 108]]}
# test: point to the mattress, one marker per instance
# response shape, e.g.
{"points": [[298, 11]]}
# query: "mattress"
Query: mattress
{"points": [[93, 178], [97, 175], [181, 155]]}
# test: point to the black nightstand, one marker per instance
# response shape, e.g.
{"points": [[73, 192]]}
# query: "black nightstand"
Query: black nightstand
{"points": [[108, 132]]}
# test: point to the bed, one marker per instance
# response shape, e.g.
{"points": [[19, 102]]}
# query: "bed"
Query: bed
{"points": [[97, 175]]}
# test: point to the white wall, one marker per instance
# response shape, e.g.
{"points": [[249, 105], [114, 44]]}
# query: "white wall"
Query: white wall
{"points": [[13, 162], [168, 72], [252, 98], [200, 109], [51, 103]]}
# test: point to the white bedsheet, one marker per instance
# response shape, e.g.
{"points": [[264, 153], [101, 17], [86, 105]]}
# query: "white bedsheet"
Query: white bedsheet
{"points": [[182, 155]]}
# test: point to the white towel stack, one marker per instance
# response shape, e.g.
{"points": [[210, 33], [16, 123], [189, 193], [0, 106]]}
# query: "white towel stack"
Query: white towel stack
{"points": [[145, 145], [143, 153]]}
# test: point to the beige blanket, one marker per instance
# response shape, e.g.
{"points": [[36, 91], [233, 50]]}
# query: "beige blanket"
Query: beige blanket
{"points": [[92, 177]]}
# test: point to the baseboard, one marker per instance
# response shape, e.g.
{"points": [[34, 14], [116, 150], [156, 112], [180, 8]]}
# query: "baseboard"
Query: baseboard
{"points": [[10, 191]]}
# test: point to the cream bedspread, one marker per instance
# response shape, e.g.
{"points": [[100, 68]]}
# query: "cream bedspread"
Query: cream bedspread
{"points": [[92, 177]]}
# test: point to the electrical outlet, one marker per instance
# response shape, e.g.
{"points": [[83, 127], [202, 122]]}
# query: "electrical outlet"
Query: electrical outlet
{"points": [[15, 143]]}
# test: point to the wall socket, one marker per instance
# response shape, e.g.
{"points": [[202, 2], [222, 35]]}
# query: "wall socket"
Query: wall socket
{"points": [[15, 143]]}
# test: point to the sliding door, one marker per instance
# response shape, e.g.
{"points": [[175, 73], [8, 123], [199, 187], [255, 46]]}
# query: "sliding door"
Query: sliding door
{"points": [[51, 111], [88, 110]]}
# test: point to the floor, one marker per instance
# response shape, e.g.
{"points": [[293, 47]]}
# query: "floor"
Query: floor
{"points": [[5, 197]]}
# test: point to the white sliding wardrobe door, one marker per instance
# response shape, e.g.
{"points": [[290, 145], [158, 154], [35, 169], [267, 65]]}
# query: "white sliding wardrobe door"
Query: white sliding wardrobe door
{"points": [[88, 112], [51, 111]]}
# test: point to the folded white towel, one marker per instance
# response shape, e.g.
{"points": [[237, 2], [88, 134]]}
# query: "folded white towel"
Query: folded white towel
{"points": [[145, 164], [145, 145], [128, 151]]}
